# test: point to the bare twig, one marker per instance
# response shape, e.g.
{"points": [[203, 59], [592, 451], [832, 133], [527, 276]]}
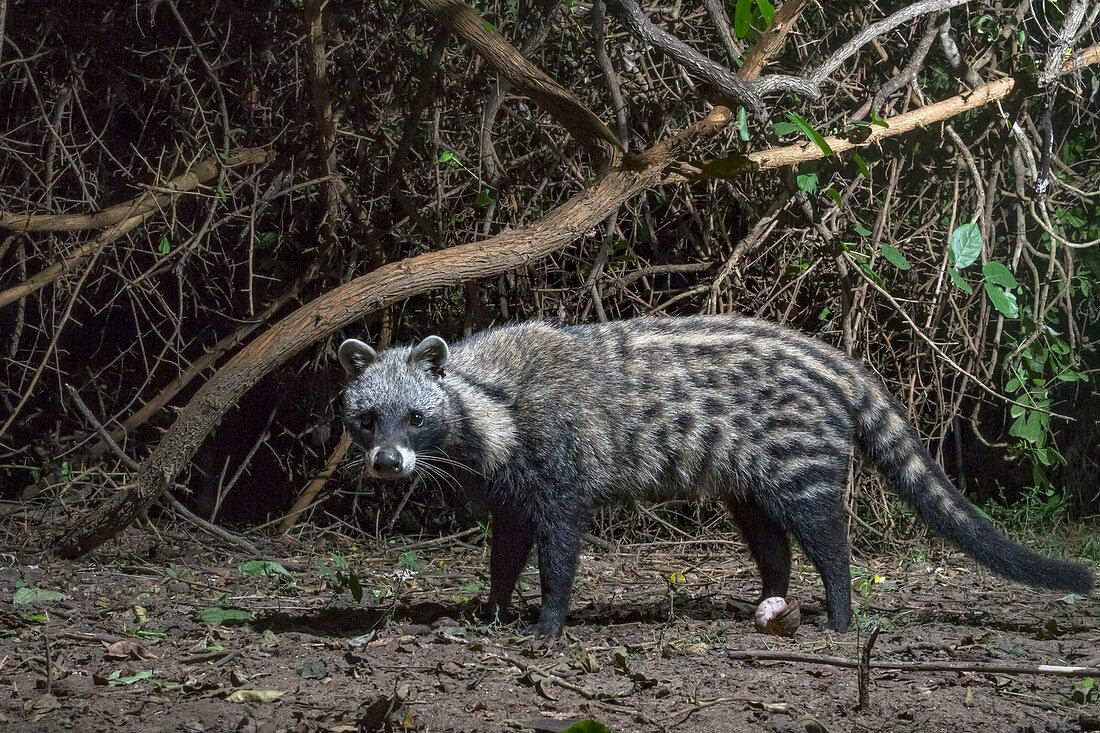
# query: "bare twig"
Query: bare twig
{"points": [[909, 73], [864, 682], [213, 80], [980, 668]]}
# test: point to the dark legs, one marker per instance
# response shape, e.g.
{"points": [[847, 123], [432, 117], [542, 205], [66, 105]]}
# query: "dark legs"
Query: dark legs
{"points": [[511, 541], [768, 544], [825, 539], [559, 540], [559, 543], [819, 527]]}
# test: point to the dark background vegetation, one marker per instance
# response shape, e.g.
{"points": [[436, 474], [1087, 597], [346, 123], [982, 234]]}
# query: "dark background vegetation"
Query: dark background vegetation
{"points": [[102, 100]]}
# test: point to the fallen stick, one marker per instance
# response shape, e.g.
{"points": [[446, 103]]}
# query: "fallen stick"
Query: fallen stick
{"points": [[982, 668]]}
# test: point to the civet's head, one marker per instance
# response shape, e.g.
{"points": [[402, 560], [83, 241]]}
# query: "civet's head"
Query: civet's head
{"points": [[394, 404]]}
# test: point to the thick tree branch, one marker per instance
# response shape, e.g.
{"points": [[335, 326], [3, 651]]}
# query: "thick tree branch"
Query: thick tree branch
{"points": [[811, 85], [721, 25], [388, 284], [1061, 43], [565, 107], [772, 40], [349, 302], [431, 271], [316, 63], [735, 165], [725, 81], [1059, 46], [733, 85]]}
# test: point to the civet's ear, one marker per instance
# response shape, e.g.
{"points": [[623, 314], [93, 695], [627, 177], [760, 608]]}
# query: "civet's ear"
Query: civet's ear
{"points": [[430, 355], [356, 356]]}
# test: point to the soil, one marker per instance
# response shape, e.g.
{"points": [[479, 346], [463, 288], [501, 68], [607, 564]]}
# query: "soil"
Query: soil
{"points": [[142, 644]]}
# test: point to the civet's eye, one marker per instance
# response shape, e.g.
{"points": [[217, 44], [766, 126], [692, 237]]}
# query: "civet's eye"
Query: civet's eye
{"points": [[416, 418], [366, 421]]}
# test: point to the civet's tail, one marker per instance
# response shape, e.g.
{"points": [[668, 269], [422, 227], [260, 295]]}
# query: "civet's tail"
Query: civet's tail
{"points": [[893, 445]]}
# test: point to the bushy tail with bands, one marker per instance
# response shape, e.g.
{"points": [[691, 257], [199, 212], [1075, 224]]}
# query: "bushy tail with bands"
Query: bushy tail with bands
{"points": [[893, 445]]}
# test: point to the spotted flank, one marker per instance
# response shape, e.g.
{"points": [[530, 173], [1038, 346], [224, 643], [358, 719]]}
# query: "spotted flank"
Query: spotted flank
{"points": [[544, 423]]}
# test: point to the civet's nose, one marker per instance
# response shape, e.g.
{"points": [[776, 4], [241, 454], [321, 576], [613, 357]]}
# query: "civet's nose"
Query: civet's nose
{"points": [[387, 463]]}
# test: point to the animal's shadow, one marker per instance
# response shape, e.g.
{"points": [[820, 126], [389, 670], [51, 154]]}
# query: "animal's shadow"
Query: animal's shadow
{"points": [[347, 620]]}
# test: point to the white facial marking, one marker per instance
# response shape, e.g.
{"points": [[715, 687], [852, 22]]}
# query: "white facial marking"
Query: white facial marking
{"points": [[408, 459]]}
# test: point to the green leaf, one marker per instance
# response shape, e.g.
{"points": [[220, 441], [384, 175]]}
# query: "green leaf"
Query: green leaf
{"points": [[446, 157], [27, 596], [863, 169], [784, 128], [165, 246], [895, 258], [966, 245], [266, 240], [1084, 690], [871, 273], [263, 567], [861, 230], [835, 196], [798, 121], [488, 26], [1003, 300], [741, 15], [221, 193], [218, 616], [1012, 385], [807, 182], [998, 274], [1029, 427], [116, 678], [410, 560], [483, 198], [743, 123], [767, 11], [876, 120], [959, 282]]}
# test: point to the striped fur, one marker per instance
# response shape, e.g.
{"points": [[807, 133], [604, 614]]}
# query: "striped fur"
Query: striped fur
{"points": [[544, 423]]}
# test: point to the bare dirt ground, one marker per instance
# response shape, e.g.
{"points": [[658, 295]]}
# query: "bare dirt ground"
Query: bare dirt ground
{"points": [[182, 638]]}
